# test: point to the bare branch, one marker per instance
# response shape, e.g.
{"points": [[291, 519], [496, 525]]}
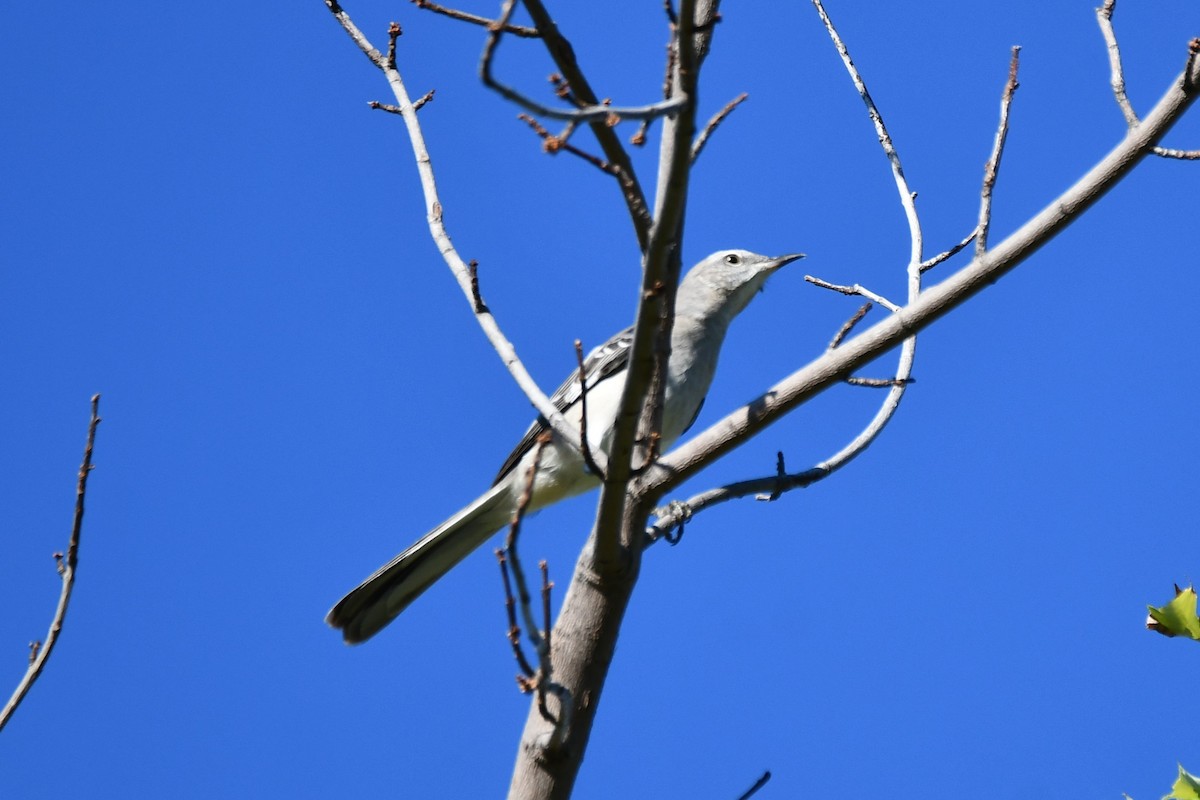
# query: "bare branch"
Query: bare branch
{"points": [[925, 266], [394, 109], [672, 17], [885, 140], [477, 304], [856, 289], [639, 137], [475, 19], [712, 124], [607, 570], [879, 383], [993, 164], [553, 144], [39, 653], [781, 478], [524, 679], [850, 324], [586, 450], [422, 100], [510, 544], [355, 34], [758, 784], [541, 681], [778, 484], [908, 351], [1182, 155], [589, 111], [563, 54], [545, 684], [640, 410], [468, 280], [933, 303], [394, 32], [670, 519], [1104, 16], [675, 514], [602, 113]]}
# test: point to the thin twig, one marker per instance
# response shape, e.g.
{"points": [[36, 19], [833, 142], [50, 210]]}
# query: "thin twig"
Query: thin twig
{"points": [[781, 476], [925, 266], [712, 124], [514, 532], [908, 349], [441, 237], [524, 679], [856, 289], [591, 112], [544, 650], [639, 137], [1182, 155], [553, 144], [355, 34], [672, 17], [423, 99], [671, 516], [562, 89], [585, 446], [394, 32], [885, 139], [563, 54], [992, 169], [829, 369], [39, 653], [475, 19], [540, 680], [850, 324], [394, 109], [477, 303], [1104, 16], [632, 442], [879, 383], [567, 130], [758, 784]]}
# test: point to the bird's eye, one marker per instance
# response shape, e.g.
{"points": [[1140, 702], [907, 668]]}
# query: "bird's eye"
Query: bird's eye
{"points": [[733, 258]]}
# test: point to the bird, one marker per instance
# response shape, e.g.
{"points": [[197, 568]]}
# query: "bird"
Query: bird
{"points": [[710, 295]]}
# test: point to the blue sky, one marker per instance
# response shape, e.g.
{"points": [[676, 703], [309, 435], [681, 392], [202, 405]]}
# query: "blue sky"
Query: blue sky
{"points": [[203, 221]]}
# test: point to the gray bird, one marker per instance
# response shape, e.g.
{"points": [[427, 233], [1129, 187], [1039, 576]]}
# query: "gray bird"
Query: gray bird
{"points": [[712, 293]]}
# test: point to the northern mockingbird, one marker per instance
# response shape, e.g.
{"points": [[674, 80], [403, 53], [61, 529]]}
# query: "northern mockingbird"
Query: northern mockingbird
{"points": [[712, 293]]}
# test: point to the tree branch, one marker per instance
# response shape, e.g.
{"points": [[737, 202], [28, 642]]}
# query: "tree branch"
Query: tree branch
{"points": [[614, 152], [933, 303], [714, 123], [40, 652], [466, 277], [993, 164], [475, 19], [679, 512], [652, 327], [902, 379], [586, 632], [1104, 16]]}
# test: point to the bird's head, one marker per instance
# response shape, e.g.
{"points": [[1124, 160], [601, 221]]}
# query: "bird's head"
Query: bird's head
{"points": [[726, 282]]}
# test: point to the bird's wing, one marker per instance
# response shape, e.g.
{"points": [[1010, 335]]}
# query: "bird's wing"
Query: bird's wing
{"points": [[610, 358]]}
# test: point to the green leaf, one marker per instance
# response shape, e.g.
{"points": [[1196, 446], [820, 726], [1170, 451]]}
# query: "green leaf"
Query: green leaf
{"points": [[1178, 617], [1187, 787]]}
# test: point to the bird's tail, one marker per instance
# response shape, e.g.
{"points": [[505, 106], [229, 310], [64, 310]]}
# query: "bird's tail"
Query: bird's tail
{"points": [[380, 598]]}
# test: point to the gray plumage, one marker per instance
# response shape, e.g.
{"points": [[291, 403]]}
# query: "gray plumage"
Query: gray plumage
{"points": [[711, 294]]}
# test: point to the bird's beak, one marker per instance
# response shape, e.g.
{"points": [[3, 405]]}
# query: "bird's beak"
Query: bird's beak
{"points": [[775, 263], [780, 261]]}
